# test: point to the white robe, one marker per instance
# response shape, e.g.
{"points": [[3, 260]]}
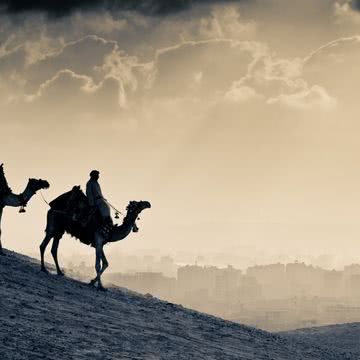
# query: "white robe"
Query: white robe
{"points": [[96, 198]]}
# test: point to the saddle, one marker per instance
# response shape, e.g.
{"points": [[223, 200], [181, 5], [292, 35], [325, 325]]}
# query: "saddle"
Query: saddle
{"points": [[107, 227]]}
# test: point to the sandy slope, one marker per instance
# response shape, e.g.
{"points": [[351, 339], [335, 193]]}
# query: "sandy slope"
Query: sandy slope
{"points": [[343, 337], [49, 317]]}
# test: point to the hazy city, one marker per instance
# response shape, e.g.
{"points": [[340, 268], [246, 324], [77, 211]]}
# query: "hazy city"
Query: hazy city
{"points": [[274, 296]]}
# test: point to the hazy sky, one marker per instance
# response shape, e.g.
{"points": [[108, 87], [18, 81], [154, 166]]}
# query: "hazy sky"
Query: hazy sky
{"points": [[238, 120]]}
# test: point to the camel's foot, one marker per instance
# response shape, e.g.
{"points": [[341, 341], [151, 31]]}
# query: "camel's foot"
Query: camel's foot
{"points": [[44, 270], [92, 282], [101, 288]]}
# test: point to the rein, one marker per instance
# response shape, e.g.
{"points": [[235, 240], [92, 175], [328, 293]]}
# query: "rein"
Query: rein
{"points": [[117, 212], [44, 198]]}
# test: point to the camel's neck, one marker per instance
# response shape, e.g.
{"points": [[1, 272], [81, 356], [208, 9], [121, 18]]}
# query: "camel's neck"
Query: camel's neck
{"points": [[122, 231], [21, 199], [29, 192]]}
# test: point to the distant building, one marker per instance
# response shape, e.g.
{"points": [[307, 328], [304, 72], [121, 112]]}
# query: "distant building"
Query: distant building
{"points": [[153, 283], [271, 278], [333, 283], [192, 278]]}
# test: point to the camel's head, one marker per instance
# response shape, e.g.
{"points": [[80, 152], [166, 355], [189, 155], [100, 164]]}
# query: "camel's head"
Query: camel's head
{"points": [[136, 207], [38, 184]]}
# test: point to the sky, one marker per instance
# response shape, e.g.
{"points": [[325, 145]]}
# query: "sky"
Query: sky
{"points": [[237, 120]]}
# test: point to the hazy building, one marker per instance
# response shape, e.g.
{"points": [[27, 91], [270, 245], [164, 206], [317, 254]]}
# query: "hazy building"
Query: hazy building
{"points": [[154, 283], [271, 278]]}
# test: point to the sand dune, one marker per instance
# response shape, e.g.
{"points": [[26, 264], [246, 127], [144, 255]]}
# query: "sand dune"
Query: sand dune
{"points": [[50, 317], [343, 338]]}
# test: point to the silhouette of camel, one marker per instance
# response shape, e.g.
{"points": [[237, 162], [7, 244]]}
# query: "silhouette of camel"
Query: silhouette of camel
{"points": [[7, 198], [71, 213]]}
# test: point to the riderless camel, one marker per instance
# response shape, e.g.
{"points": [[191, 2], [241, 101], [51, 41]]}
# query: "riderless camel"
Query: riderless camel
{"points": [[7, 198]]}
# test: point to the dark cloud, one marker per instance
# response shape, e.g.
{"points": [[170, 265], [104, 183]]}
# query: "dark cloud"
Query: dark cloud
{"points": [[65, 7], [356, 4]]}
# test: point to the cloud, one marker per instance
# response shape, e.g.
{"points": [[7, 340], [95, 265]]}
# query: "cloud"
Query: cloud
{"points": [[11, 80], [205, 59], [103, 23], [90, 59], [78, 93], [224, 21], [281, 81], [176, 69], [126, 69], [312, 98], [12, 60], [335, 66], [346, 13], [81, 56], [355, 4], [269, 74], [61, 8], [241, 94], [333, 48]]}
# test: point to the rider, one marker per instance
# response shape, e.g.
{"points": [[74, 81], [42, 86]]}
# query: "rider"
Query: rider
{"points": [[96, 198]]}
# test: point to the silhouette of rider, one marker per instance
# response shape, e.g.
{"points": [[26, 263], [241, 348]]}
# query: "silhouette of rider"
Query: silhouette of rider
{"points": [[96, 198]]}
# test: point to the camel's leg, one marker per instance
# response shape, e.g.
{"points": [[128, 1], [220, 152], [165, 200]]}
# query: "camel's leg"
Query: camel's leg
{"points": [[98, 267], [99, 243], [104, 266], [43, 246], [93, 281], [105, 263], [54, 249], [1, 250]]}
